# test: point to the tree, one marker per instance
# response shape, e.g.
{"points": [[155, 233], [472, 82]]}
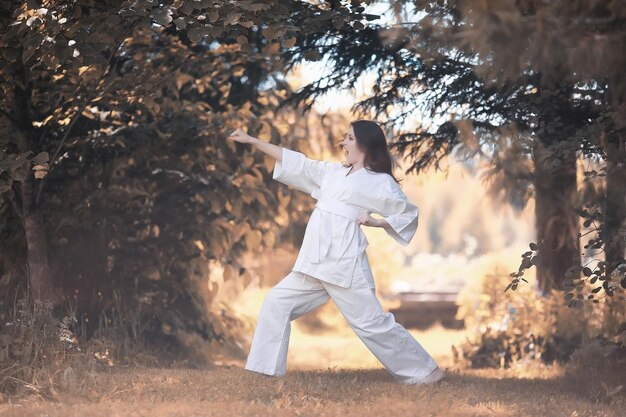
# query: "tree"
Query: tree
{"points": [[453, 62], [116, 184]]}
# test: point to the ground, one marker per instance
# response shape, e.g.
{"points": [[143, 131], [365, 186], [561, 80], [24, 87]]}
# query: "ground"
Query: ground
{"points": [[329, 374]]}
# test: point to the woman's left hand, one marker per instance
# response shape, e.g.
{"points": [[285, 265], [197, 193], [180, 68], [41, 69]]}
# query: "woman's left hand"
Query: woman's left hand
{"points": [[365, 219]]}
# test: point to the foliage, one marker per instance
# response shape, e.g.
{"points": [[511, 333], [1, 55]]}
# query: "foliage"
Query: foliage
{"points": [[514, 328], [116, 112], [598, 278]]}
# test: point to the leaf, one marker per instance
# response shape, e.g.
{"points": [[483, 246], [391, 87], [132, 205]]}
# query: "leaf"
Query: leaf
{"points": [[253, 239], [20, 173], [34, 21], [162, 16], [180, 23], [255, 7], [229, 273], [371, 17], [42, 167], [112, 21], [269, 238], [41, 174], [269, 33], [232, 18], [40, 158], [27, 54], [312, 55], [247, 278], [182, 79], [196, 34], [338, 23], [214, 16], [289, 42]]}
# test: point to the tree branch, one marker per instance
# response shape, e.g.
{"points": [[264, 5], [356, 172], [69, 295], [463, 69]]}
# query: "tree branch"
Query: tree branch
{"points": [[79, 112]]}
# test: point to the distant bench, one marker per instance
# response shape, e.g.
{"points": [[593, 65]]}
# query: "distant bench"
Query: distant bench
{"points": [[422, 309]]}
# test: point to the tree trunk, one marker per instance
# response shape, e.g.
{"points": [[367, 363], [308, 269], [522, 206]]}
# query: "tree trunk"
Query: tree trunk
{"points": [[39, 279], [615, 203], [38, 270], [556, 222]]}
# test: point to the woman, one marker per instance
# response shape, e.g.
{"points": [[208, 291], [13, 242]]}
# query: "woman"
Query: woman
{"points": [[332, 262]]}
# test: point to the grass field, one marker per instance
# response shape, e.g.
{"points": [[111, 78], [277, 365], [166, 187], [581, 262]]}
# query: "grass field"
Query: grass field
{"points": [[329, 374]]}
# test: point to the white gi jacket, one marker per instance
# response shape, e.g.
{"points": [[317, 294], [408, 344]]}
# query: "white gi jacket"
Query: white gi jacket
{"points": [[334, 244]]}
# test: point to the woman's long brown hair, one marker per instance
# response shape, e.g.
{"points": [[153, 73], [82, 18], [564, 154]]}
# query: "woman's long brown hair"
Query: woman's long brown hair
{"points": [[371, 140]]}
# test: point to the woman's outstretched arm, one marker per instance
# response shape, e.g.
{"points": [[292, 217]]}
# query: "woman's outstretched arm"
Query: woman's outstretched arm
{"points": [[272, 150]]}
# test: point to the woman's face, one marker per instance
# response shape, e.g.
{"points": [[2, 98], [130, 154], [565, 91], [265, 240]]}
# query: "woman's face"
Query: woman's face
{"points": [[351, 150]]}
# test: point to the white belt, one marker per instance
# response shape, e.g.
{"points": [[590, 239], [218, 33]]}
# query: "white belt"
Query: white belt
{"points": [[322, 244], [337, 207]]}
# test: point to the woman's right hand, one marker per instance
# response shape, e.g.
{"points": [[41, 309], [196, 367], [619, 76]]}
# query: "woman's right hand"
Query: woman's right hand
{"points": [[241, 137]]}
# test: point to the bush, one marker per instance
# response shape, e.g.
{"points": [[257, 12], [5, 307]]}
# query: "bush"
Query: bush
{"points": [[511, 327]]}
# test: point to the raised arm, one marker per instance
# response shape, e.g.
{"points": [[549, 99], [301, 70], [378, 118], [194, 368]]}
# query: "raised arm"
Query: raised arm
{"points": [[270, 149], [292, 168]]}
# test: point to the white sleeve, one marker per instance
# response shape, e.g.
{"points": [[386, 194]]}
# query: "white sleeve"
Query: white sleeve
{"points": [[394, 206], [300, 172]]}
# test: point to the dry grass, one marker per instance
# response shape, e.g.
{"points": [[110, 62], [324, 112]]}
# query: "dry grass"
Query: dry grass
{"points": [[329, 374], [230, 390]]}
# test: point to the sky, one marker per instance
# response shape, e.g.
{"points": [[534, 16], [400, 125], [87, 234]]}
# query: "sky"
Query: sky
{"points": [[311, 70], [338, 100]]}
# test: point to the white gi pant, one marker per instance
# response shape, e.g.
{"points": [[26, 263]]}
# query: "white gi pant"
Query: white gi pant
{"points": [[298, 293]]}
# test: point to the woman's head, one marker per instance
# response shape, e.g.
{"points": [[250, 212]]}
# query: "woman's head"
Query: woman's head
{"points": [[365, 142]]}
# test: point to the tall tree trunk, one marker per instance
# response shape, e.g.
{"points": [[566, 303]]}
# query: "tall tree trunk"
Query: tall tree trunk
{"points": [[615, 202], [39, 277], [556, 222]]}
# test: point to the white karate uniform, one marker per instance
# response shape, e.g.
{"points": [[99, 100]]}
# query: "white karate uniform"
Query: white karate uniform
{"points": [[332, 263]]}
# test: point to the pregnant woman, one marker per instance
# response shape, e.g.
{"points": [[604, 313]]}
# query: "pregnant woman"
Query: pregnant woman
{"points": [[332, 262]]}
